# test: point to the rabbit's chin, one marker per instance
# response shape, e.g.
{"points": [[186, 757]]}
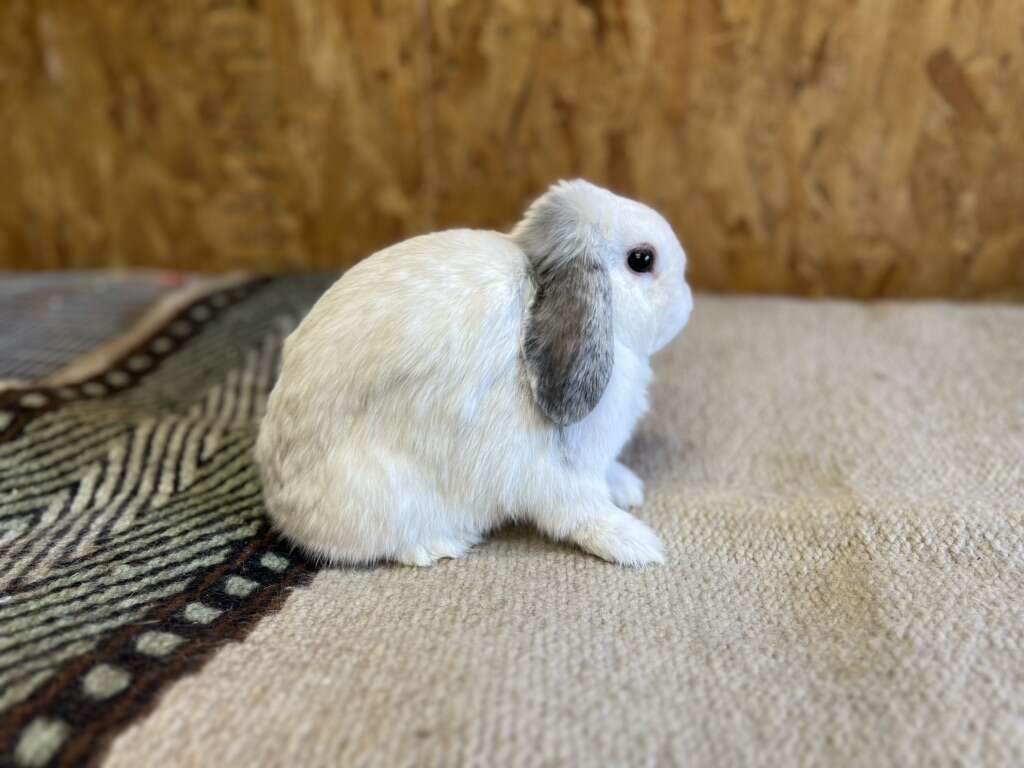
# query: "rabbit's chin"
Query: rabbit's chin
{"points": [[675, 322]]}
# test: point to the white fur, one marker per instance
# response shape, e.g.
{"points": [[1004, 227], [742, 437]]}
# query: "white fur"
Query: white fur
{"points": [[402, 426]]}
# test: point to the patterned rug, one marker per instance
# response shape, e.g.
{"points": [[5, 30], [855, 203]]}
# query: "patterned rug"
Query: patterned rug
{"points": [[132, 537]]}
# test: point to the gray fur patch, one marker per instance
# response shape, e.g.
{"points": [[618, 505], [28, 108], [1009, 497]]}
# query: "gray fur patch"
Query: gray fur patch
{"points": [[567, 340]]}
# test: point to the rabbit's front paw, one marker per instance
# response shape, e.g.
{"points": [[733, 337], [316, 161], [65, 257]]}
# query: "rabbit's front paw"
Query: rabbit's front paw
{"points": [[626, 488], [620, 538]]}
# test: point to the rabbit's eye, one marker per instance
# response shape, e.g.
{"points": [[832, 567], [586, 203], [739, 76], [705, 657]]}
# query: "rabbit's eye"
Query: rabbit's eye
{"points": [[641, 259]]}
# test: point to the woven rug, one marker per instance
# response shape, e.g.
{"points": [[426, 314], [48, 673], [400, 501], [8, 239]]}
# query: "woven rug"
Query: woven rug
{"points": [[839, 487], [131, 538], [48, 319]]}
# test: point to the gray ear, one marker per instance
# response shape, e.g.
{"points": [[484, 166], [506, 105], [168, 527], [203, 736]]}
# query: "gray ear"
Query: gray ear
{"points": [[567, 334]]}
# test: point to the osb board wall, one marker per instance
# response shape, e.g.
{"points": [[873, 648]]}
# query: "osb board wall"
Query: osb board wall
{"points": [[810, 146]]}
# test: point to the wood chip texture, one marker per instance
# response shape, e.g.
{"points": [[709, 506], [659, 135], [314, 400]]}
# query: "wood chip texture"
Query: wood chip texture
{"points": [[799, 146]]}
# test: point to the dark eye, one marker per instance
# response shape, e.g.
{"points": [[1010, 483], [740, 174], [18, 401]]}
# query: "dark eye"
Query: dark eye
{"points": [[641, 259]]}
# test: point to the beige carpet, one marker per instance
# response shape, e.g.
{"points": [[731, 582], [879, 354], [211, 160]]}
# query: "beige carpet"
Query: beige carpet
{"points": [[840, 489]]}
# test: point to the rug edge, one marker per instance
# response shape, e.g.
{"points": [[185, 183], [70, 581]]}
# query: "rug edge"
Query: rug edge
{"points": [[155, 316]]}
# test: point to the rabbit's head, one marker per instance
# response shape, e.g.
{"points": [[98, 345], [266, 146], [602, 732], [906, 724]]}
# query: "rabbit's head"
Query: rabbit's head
{"points": [[607, 270]]}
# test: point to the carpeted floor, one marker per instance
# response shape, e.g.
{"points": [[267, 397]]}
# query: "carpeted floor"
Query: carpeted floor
{"points": [[840, 488]]}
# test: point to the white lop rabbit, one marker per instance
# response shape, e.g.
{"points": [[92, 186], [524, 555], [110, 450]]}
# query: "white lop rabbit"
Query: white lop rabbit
{"points": [[461, 379]]}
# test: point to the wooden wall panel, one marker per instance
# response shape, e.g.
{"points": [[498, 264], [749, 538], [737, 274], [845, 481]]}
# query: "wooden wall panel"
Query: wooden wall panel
{"points": [[861, 148]]}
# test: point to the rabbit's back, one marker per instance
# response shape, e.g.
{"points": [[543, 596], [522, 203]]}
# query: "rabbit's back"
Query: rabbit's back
{"points": [[437, 311]]}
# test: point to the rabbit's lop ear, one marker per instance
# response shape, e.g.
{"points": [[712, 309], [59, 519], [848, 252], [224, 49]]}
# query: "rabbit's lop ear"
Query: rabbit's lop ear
{"points": [[567, 334]]}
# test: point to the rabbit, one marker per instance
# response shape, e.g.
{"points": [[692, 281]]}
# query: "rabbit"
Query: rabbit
{"points": [[462, 379]]}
